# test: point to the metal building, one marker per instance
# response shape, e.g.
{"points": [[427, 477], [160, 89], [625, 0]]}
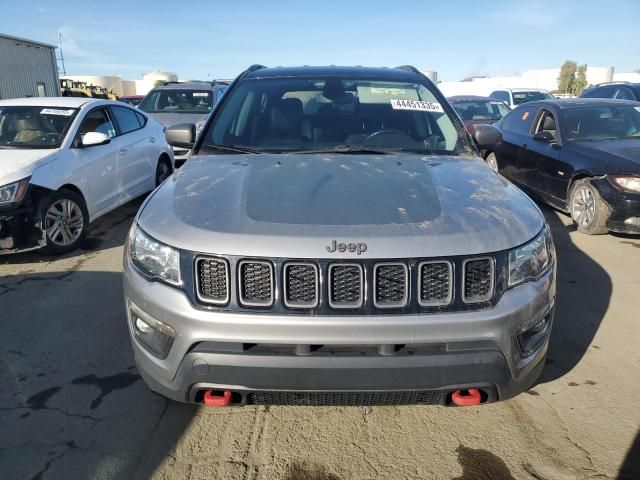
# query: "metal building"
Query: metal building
{"points": [[27, 68]]}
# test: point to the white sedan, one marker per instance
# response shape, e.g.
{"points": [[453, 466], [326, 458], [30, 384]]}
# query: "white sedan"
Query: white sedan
{"points": [[66, 161]]}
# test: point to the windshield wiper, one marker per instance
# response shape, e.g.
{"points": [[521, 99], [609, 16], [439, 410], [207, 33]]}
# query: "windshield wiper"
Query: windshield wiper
{"points": [[231, 148], [345, 149]]}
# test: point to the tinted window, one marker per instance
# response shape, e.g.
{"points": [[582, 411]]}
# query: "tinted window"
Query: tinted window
{"points": [[126, 118], [598, 92], [178, 101], [519, 120], [310, 114], [97, 121], [34, 127], [524, 97], [481, 110], [624, 93], [142, 120], [501, 95], [602, 123]]}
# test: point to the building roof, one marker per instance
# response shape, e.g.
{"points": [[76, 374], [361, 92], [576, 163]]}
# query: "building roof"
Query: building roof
{"points": [[64, 102], [26, 40]]}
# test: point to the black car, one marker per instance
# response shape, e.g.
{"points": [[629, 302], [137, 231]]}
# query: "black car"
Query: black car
{"points": [[581, 156], [617, 90]]}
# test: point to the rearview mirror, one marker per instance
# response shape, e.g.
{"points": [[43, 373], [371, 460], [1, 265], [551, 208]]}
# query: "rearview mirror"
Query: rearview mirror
{"points": [[486, 136], [92, 139], [544, 136], [182, 135]]}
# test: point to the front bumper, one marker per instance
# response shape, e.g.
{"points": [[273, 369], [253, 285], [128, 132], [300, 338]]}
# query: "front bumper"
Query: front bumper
{"points": [[265, 354], [623, 206], [19, 229]]}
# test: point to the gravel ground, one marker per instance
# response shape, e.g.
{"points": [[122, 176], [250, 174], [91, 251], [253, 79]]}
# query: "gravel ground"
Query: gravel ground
{"points": [[73, 406]]}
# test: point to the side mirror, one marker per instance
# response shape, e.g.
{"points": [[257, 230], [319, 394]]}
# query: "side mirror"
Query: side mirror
{"points": [[182, 135], [544, 136], [486, 136], [92, 139]]}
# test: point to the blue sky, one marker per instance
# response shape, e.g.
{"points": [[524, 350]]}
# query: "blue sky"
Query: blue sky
{"points": [[218, 39]]}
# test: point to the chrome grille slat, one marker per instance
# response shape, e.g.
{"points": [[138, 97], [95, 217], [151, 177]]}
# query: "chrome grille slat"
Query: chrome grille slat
{"points": [[256, 283], [391, 285], [212, 280], [301, 285], [478, 275], [435, 283], [346, 285]]}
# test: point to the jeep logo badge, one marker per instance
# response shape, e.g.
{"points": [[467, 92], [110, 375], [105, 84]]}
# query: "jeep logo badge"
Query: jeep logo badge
{"points": [[347, 247]]}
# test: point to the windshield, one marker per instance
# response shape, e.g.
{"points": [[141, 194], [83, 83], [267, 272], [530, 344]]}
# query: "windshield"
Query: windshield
{"points": [[481, 110], [319, 114], [34, 127], [524, 97], [177, 101], [602, 122]]}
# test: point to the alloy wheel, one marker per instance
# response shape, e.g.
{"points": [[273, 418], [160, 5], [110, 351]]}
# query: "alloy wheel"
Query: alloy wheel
{"points": [[64, 222], [583, 206]]}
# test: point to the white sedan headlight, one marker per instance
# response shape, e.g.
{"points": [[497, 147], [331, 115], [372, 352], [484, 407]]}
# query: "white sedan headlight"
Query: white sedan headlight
{"points": [[626, 182], [13, 192], [154, 259], [531, 260]]}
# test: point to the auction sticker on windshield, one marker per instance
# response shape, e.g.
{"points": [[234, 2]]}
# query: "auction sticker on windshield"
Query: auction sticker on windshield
{"points": [[419, 105], [56, 111]]}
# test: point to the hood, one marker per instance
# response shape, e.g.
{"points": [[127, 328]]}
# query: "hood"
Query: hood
{"points": [[16, 164], [292, 205], [168, 119], [623, 156]]}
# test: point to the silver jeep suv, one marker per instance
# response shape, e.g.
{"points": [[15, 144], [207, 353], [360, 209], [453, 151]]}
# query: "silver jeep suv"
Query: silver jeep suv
{"points": [[336, 239]]}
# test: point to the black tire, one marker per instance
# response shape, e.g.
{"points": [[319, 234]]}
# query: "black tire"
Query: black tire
{"points": [[76, 224], [492, 161], [163, 170], [587, 209]]}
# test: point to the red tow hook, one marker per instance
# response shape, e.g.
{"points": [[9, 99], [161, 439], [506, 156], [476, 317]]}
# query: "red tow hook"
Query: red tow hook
{"points": [[213, 398], [466, 398]]}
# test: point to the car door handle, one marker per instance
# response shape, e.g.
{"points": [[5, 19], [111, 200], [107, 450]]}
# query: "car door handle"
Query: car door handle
{"points": [[152, 140], [123, 151]]}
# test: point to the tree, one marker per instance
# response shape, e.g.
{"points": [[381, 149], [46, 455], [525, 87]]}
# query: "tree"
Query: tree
{"points": [[580, 82], [567, 76]]}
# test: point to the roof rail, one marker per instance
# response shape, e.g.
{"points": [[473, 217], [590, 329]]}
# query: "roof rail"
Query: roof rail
{"points": [[409, 68], [619, 82], [171, 82], [255, 66]]}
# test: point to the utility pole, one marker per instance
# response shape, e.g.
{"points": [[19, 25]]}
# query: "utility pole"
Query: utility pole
{"points": [[64, 71]]}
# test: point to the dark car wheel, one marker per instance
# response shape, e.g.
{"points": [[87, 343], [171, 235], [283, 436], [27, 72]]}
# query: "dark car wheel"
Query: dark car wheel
{"points": [[492, 160], [588, 210], [65, 221], [163, 170]]}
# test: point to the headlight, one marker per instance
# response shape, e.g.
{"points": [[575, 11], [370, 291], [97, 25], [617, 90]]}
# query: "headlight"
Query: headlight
{"points": [[14, 192], [629, 183], [531, 260], [153, 258]]}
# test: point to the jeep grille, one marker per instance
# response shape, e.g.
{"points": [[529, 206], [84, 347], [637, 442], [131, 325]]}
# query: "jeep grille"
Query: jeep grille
{"points": [[212, 277], [300, 285], [346, 285], [256, 283], [435, 283], [391, 285], [478, 280]]}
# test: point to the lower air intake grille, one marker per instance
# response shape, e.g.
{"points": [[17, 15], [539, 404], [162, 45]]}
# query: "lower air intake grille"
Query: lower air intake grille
{"points": [[346, 285], [435, 283], [478, 280], [256, 283], [317, 399], [212, 280], [391, 285], [301, 285]]}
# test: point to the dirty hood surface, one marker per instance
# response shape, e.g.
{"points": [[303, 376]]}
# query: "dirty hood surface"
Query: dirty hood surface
{"points": [[295, 205]]}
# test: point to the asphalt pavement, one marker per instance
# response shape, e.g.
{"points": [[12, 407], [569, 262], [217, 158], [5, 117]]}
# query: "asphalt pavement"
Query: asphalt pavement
{"points": [[72, 405]]}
